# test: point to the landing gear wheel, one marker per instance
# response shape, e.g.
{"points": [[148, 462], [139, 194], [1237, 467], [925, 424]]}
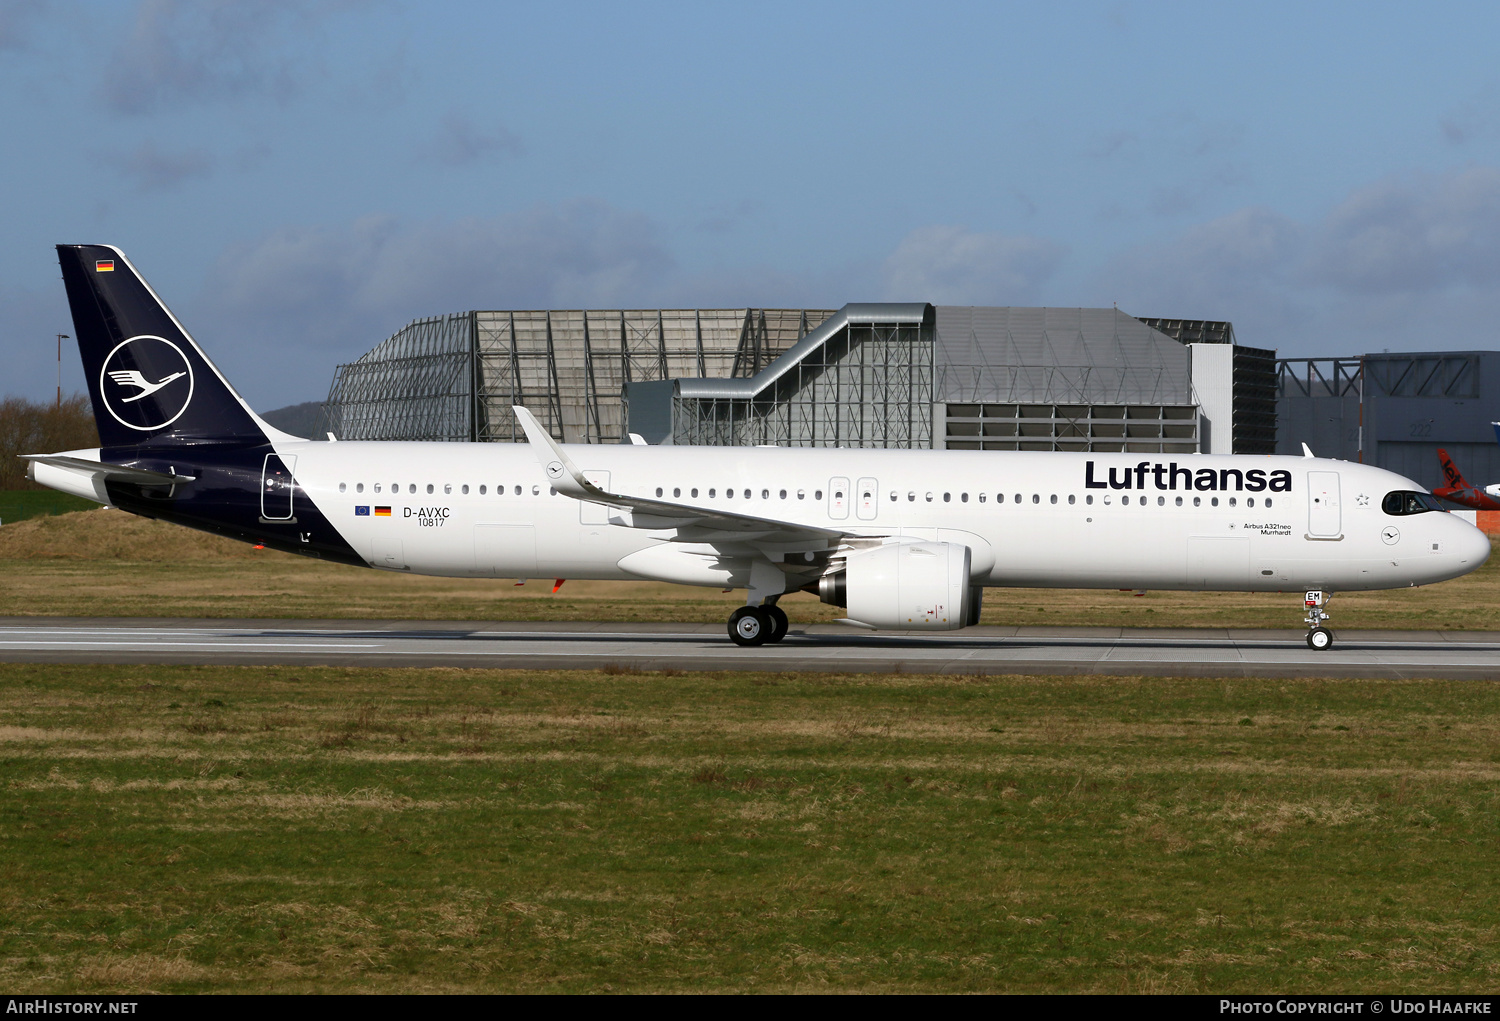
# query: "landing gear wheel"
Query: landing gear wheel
{"points": [[779, 623], [750, 625], [1320, 639]]}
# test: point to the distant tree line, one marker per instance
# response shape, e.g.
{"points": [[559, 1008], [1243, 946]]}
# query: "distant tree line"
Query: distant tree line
{"points": [[44, 427]]}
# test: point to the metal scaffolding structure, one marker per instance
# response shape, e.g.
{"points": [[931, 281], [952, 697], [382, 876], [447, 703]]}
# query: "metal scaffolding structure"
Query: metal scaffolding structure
{"points": [[863, 379], [1393, 410], [455, 377]]}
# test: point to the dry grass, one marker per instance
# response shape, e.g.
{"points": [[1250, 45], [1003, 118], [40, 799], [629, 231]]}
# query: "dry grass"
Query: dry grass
{"points": [[111, 564]]}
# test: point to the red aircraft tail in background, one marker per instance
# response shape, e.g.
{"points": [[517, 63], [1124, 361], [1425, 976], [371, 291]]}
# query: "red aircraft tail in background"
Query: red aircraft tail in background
{"points": [[1460, 492]]}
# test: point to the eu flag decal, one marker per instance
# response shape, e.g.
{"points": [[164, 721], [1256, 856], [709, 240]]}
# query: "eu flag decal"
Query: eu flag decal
{"points": [[361, 512]]}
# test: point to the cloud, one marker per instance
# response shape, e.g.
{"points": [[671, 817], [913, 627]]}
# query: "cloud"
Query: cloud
{"points": [[156, 170], [952, 265], [1405, 263], [386, 271], [286, 307], [1417, 234], [458, 142], [1473, 118], [16, 20], [179, 51], [725, 217]]}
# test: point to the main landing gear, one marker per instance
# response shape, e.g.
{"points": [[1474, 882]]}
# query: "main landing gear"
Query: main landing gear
{"points": [[757, 625], [1319, 638]]}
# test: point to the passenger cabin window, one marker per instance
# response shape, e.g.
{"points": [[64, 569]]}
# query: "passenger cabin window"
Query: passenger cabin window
{"points": [[342, 487], [817, 494], [658, 491], [359, 487], [518, 490], [465, 489], [1403, 503], [676, 492], [482, 490]]}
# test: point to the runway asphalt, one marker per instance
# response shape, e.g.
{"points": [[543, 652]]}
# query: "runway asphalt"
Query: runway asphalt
{"points": [[830, 648]]}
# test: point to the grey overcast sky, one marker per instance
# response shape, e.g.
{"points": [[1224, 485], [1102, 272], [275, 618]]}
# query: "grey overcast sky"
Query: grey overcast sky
{"points": [[298, 180]]}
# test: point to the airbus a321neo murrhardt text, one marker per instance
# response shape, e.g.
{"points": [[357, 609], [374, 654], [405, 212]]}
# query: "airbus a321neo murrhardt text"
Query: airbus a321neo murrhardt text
{"points": [[903, 539]]}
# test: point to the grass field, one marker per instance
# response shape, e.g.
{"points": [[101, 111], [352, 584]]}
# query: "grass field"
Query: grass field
{"points": [[108, 564], [277, 830], [20, 504]]}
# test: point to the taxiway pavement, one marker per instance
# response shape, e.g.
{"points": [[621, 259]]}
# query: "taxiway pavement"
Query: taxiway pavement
{"points": [[830, 648]]}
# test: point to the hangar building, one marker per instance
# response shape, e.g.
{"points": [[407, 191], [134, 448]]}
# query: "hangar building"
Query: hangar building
{"points": [[1395, 411], [866, 375]]}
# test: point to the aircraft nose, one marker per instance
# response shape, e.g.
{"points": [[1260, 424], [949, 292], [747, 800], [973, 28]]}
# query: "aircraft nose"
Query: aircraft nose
{"points": [[1474, 546]]}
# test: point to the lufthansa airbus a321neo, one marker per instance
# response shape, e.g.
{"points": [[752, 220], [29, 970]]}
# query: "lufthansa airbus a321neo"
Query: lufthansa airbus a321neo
{"points": [[903, 539]]}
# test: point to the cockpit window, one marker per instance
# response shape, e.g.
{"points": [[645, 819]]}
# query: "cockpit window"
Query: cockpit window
{"points": [[1399, 503]]}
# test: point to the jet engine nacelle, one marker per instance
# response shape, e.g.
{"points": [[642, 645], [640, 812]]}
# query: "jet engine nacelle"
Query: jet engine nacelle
{"points": [[1493, 492], [913, 586]]}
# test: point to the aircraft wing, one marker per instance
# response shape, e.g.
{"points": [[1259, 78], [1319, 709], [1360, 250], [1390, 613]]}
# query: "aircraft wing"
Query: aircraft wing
{"points": [[693, 524]]}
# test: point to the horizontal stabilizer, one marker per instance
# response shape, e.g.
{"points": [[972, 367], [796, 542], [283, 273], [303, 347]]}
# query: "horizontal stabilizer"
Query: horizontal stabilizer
{"points": [[109, 472]]}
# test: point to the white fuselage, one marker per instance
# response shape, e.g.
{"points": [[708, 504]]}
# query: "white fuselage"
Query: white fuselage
{"points": [[1031, 519]]}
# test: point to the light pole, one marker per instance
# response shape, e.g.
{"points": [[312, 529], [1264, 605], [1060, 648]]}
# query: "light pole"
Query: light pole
{"points": [[60, 338]]}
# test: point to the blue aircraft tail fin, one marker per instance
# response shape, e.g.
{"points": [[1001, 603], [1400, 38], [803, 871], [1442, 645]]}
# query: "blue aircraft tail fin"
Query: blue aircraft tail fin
{"points": [[148, 379]]}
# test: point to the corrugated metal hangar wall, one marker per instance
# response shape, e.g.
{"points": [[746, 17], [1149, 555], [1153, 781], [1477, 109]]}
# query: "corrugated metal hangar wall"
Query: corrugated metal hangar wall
{"points": [[875, 375], [1395, 411]]}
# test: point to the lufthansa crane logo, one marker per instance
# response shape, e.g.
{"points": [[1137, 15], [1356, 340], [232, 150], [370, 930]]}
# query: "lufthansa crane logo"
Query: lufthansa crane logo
{"points": [[146, 383]]}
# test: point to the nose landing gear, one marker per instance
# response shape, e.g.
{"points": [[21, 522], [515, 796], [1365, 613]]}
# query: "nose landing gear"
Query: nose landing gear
{"points": [[1319, 638]]}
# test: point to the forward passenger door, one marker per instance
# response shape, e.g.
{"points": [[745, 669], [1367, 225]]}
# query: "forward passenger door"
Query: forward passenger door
{"points": [[1324, 518]]}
